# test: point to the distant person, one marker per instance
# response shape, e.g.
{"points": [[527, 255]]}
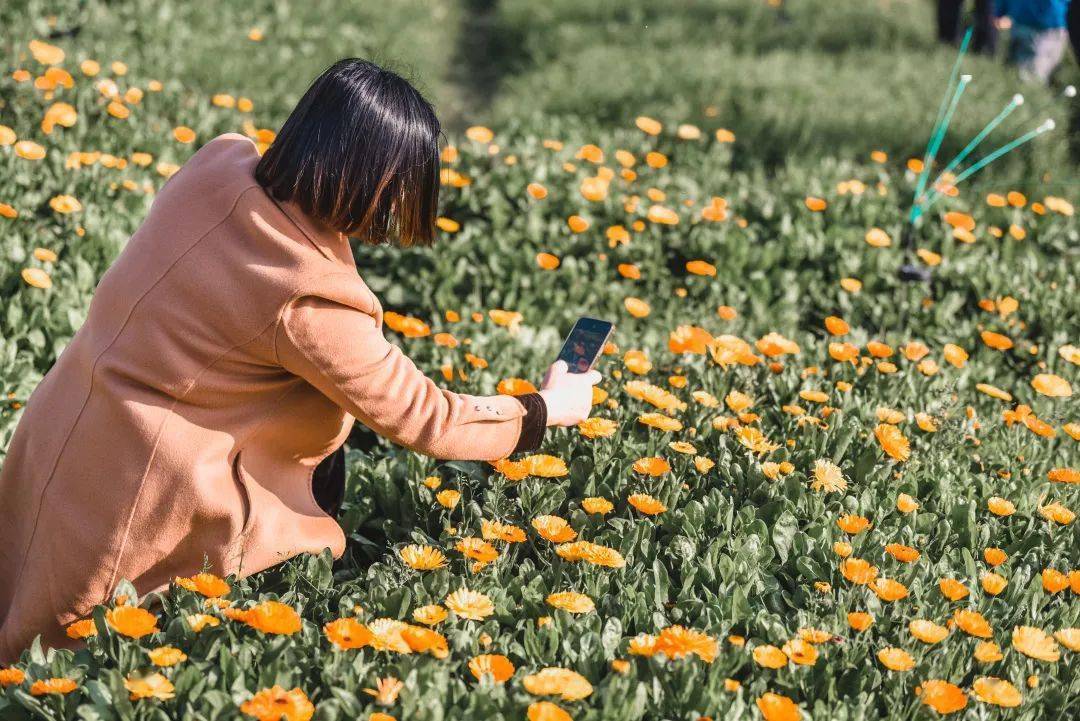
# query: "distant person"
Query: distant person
{"points": [[1037, 38], [950, 28]]}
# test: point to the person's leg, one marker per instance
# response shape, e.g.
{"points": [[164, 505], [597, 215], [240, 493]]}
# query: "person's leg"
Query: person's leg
{"points": [[1074, 27], [948, 20], [984, 39], [328, 482]]}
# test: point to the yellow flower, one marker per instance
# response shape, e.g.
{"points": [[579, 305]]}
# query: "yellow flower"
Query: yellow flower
{"points": [[896, 659], [769, 656], [927, 631], [598, 427], [152, 685], [996, 691], [987, 652], [431, 615], [597, 505], [199, 621], [568, 685], [827, 477], [571, 602], [468, 604], [1035, 643], [422, 558], [660, 421], [448, 498], [165, 656]]}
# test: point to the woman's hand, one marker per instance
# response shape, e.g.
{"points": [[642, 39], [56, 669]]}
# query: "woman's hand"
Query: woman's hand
{"points": [[568, 396]]}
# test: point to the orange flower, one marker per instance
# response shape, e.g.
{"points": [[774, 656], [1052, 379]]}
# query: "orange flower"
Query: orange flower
{"points": [[889, 590], [346, 633], [554, 529], [569, 685], [206, 584], [165, 656], [636, 307], [11, 677], [131, 621], [597, 505], [1054, 581], [1035, 643], [652, 466], [993, 583], [904, 554], [499, 667], [859, 620], [896, 659], [927, 631], [972, 623], [853, 524], [815, 204], [1051, 385], [546, 711], [270, 617], [769, 657], [597, 427], [858, 571], [892, 441], [837, 326], [571, 602], [82, 629], [953, 589], [700, 267], [646, 504], [275, 704], [547, 261], [996, 340], [775, 707], [996, 691], [422, 558], [59, 686], [942, 696], [877, 238], [689, 339]]}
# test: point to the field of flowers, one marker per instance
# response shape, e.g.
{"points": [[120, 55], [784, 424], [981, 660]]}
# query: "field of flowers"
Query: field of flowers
{"points": [[809, 490]]}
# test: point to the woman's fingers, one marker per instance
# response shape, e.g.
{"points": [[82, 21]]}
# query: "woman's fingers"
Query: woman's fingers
{"points": [[593, 377], [555, 372]]}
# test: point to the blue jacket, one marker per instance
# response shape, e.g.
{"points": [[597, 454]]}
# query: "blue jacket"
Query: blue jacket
{"points": [[1041, 14]]}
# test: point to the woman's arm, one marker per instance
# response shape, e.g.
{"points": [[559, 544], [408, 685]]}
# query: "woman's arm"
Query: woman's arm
{"points": [[341, 351]]}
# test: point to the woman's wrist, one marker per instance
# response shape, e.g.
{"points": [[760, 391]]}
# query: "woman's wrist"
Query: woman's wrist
{"points": [[533, 423]]}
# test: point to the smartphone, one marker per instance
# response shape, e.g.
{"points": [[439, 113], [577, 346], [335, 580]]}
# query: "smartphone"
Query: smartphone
{"points": [[585, 344]]}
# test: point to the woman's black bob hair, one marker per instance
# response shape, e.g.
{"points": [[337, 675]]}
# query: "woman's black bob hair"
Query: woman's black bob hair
{"points": [[360, 153]]}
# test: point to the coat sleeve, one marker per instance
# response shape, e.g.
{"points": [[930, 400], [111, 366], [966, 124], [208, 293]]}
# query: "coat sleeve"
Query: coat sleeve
{"points": [[338, 346]]}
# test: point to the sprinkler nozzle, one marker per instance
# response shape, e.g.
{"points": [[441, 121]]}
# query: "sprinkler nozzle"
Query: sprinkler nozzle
{"points": [[1018, 99]]}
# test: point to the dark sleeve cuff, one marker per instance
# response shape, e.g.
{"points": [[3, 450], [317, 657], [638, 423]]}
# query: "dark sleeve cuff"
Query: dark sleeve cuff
{"points": [[533, 423]]}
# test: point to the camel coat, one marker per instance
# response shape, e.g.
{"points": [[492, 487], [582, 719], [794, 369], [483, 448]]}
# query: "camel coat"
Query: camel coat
{"points": [[226, 353]]}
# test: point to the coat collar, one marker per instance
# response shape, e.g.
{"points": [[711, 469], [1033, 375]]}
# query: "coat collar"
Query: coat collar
{"points": [[332, 244]]}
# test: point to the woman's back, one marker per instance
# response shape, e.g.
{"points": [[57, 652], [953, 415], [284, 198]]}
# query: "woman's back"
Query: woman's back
{"points": [[132, 434]]}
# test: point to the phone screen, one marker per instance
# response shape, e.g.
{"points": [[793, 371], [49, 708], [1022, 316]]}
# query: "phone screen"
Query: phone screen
{"points": [[585, 343]]}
